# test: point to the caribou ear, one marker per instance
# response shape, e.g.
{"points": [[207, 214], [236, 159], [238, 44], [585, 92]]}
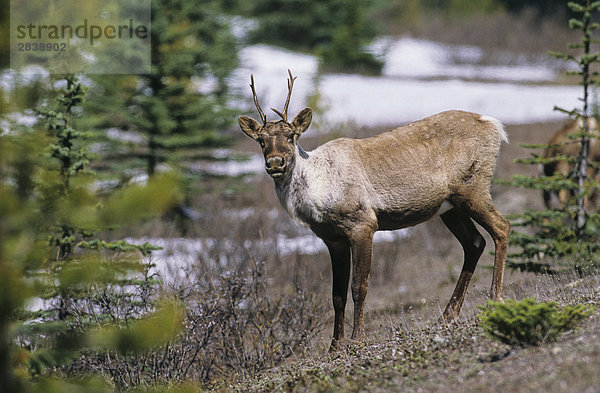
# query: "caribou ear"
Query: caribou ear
{"points": [[250, 126], [302, 120]]}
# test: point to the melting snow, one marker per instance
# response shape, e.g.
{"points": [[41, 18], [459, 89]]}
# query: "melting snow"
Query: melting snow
{"points": [[420, 78], [254, 164], [413, 58]]}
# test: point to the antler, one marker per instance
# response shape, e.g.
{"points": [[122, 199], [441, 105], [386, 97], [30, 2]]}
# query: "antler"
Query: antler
{"points": [[263, 117], [290, 84]]}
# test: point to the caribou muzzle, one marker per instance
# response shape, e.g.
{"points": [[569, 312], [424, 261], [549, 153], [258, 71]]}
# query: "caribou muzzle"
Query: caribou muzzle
{"points": [[275, 166]]}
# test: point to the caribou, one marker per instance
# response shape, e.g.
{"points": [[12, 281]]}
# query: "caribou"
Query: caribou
{"points": [[560, 145], [346, 189]]}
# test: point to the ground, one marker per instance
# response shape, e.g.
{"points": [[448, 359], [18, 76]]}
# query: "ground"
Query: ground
{"points": [[428, 357]]}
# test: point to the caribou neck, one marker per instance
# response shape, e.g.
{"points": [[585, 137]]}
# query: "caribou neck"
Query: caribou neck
{"points": [[292, 190]]}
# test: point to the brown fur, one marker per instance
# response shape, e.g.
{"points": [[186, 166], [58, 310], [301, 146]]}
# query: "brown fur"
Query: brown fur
{"points": [[347, 189], [568, 147]]}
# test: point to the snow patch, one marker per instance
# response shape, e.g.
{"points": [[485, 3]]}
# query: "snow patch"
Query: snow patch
{"points": [[414, 58], [420, 78], [179, 255], [234, 168]]}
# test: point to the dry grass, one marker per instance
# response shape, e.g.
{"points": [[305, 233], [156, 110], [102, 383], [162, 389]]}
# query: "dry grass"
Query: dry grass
{"points": [[416, 354]]}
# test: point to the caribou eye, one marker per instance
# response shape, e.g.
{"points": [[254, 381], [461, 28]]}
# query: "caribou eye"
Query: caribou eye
{"points": [[291, 139], [261, 143]]}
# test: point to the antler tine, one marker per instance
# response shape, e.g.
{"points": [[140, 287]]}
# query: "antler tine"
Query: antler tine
{"points": [[290, 84], [263, 117]]}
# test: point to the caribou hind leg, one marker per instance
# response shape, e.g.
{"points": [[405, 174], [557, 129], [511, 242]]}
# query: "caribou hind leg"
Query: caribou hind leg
{"points": [[473, 244], [484, 212]]}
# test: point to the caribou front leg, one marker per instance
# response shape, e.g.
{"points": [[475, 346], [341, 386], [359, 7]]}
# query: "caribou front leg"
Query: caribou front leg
{"points": [[339, 251], [362, 246]]}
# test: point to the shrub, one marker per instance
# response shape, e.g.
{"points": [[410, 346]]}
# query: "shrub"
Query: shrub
{"points": [[234, 323], [528, 322]]}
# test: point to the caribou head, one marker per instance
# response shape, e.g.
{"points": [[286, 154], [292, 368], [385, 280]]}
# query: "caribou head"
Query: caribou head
{"points": [[278, 139]]}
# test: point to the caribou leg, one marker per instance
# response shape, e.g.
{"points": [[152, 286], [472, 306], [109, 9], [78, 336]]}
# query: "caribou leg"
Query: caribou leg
{"points": [[339, 251], [361, 243], [473, 245], [485, 214]]}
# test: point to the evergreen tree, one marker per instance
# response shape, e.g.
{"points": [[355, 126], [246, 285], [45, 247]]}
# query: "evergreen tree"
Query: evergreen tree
{"points": [[182, 105], [346, 51], [570, 231], [337, 30], [50, 250], [543, 7]]}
